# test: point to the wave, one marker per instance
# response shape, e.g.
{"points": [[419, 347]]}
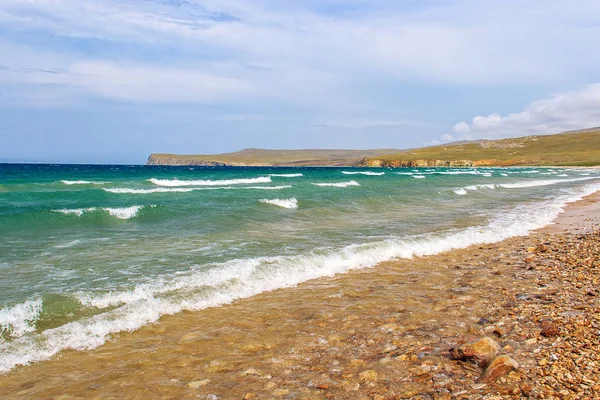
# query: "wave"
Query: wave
{"points": [[287, 175], [285, 203], [147, 191], [368, 173], [185, 190], [419, 176], [19, 319], [518, 185], [225, 282], [526, 184], [266, 187], [222, 182], [120, 213], [337, 184], [66, 182]]}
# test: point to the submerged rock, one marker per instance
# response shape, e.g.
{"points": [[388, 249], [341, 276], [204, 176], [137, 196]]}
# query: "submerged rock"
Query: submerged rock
{"points": [[498, 368], [481, 352]]}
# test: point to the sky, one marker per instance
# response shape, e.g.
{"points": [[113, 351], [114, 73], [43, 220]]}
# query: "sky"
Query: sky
{"points": [[111, 81]]}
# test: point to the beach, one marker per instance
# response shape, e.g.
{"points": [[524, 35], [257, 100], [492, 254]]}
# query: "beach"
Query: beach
{"points": [[375, 333]]}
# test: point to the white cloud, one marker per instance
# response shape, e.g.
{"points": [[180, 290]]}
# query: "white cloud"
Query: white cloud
{"points": [[561, 112], [137, 83]]}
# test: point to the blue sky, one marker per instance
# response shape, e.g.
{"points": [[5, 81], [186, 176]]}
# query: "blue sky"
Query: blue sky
{"points": [[114, 80]]}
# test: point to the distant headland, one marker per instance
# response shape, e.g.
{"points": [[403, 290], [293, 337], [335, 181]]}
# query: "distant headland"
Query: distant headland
{"points": [[572, 148]]}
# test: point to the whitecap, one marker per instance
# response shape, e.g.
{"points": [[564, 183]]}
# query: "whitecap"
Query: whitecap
{"points": [[337, 184], [367, 173], [287, 175], [81, 182], [284, 203], [221, 182]]}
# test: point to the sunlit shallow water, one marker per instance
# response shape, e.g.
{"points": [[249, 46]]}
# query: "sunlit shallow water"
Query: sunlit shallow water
{"points": [[90, 251]]}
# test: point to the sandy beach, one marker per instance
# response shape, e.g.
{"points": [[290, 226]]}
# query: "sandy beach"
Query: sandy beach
{"points": [[377, 333]]}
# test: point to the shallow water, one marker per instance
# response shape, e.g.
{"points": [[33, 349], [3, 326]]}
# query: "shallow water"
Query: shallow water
{"points": [[87, 252]]}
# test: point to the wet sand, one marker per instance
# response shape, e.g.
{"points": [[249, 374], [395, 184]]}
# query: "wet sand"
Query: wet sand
{"points": [[377, 333]]}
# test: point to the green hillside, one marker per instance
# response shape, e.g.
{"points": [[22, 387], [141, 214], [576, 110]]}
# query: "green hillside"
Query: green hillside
{"points": [[578, 148]]}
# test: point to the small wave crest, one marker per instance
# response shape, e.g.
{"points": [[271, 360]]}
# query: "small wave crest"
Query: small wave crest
{"points": [[81, 182], [367, 173], [285, 203], [287, 175], [337, 184], [221, 182], [117, 212]]}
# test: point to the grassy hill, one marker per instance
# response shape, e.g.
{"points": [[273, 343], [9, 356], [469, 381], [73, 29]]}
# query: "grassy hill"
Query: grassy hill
{"points": [[577, 148], [256, 157]]}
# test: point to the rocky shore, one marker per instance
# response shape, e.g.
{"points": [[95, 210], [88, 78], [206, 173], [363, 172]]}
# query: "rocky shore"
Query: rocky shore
{"points": [[517, 319]]}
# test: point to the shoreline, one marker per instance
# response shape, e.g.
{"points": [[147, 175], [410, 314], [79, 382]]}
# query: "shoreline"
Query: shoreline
{"points": [[381, 332]]}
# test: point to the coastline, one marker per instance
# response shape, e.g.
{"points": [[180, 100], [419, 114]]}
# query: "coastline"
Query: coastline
{"points": [[380, 332]]}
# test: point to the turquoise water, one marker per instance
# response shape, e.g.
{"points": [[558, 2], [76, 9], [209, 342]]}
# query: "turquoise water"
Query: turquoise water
{"points": [[88, 251]]}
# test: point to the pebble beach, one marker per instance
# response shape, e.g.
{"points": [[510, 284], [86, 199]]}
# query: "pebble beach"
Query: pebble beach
{"points": [[516, 319]]}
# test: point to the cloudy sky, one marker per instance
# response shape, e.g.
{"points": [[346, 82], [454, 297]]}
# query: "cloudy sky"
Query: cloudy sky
{"points": [[114, 80]]}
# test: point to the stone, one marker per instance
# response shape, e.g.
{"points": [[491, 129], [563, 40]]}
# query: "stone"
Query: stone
{"points": [[549, 329], [498, 368], [480, 352]]}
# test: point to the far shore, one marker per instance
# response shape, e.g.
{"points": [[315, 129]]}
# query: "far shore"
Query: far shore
{"points": [[377, 333]]}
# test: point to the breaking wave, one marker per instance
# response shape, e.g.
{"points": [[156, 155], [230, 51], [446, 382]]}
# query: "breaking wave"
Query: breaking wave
{"points": [[120, 213], [337, 184], [220, 182], [367, 173], [284, 203]]}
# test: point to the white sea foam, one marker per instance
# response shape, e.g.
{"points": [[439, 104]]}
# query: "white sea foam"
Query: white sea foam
{"points": [[124, 213], [221, 182], [285, 203], [525, 184], [121, 212], [235, 279], [80, 182], [267, 187], [287, 175], [368, 173], [337, 184], [147, 191], [405, 173], [20, 319], [419, 176], [518, 185], [185, 190]]}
